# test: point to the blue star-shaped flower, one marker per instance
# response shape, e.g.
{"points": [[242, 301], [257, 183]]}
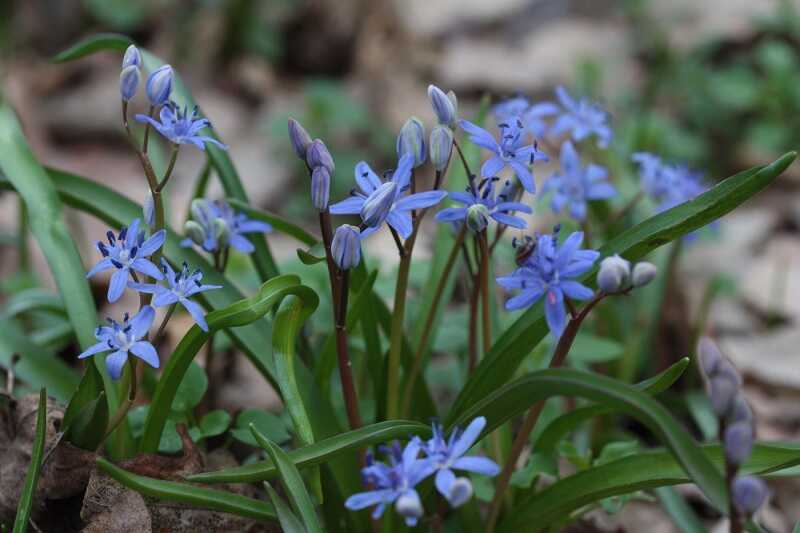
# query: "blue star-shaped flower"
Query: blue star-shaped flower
{"points": [[482, 204], [667, 184], [220, 225], [127, 252], [575, 185], [531, 115], [449, 455], [582, 119], [547, 273], [379, 201], [511, 151], [123, 339], [180, 127], [394, 483], [180, 287]]}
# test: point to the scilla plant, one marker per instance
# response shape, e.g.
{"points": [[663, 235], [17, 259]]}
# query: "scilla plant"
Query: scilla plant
{"points": [[437, 408]]}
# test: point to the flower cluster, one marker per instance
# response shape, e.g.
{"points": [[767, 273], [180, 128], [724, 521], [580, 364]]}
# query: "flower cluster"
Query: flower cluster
{"points": [[395, 482], [667, 184], [215, 226], [737, 427]]}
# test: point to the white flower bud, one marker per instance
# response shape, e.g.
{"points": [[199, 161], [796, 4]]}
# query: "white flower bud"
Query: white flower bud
{"points": [[643, 273]]}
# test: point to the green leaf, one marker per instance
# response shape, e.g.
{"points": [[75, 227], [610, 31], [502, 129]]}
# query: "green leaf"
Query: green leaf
{"points": [[231, 183], [215, 423], [320, 452], [642, 471], [589, 349], [88, 426], [266, 423], [314, 255], [34, 468], [561, 426], [34, 299], [279, 223], [217, 500], [55, 240], [679, 511], [515, 397], [191, 390], [289, 522], [529, 329], [292, 482], [240, 313]]}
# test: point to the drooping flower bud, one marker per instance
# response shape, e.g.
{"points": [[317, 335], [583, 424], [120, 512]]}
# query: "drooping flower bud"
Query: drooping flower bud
{"points": [[749, 493], [411, 140], [409, 507], [441, 147], [614, 274], [443, 106], [299, 138], [460, 492], [159, 85], [148, 211], [132, 57], [194, 231], [722, 392], [643, 273], [129, 82], [377, 206], [477, 217], [738, 442], [346, 246], [318, 155], [320, 188]]}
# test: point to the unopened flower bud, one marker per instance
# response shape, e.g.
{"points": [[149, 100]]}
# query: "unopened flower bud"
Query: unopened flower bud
{"points": [[738, 442], [613, 274], [409, 507], [477, 217], [722, 392], [740, 411], [710, 356], [148, 211], [377, 206], [749, 493], [200, 209], [320, 188], [643, 273], [318, 155], [194, 231], [346, 246], [221, 232], [159, 85], [411, 140], [299, 138], [443, 106], [132, 57], [441, 147], [129, 82], [460, 492]]}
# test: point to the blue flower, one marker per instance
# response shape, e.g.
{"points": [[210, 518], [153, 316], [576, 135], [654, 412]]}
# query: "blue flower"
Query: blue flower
{"points": [[126, 252], [575, 184], [180, 127], [124, 338], [582, 119], [483, 203], [378, 201], [667, 184], [547, 273], [216, 225], [449, 455], [531, 115], [394, 483], [180, 287], [511, 151]]}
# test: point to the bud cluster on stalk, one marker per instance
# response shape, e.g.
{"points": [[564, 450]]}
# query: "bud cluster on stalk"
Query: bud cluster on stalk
{"points": [[615, 274], [445, 107]]}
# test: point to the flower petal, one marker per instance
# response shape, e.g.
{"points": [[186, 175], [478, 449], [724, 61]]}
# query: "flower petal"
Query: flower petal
{"points": [[362, 500], [146, 267], [152, 244], [348, 206], [451, 214], [554, 311], [103, 264], [197, 312], [492, 166], [241, 243], [117, 284], [509, 220], [101, 346], [141, 321], [525, 175], [420, 200], [524, 299], [146, 352], [366, 178], [115, 363], [444, 480], [468, 438], [401, 222], [575, 290], [479, 465], [165, 297]]}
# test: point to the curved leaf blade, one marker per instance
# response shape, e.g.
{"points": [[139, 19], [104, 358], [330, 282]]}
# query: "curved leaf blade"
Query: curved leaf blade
{"points": [[95, 43], [217, 500], [530, 328], [289, 522], [34, 468], [517, 396], [320, 452]]}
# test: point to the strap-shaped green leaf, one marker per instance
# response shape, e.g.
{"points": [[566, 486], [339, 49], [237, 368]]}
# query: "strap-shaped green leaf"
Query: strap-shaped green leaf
{"points": [[173, 491], [292, 482], [241, 313], [641, 471], [530, 328], [34, 299], [561, 426], [289, 522], [320, 452], [517, 396], [34, 468]]}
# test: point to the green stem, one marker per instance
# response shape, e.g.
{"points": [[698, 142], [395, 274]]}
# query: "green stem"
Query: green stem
{"points": [[170, 167], [483, 246], [126, 404], [147, 129], [163, 326], [429, 320], [22, 236]]}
